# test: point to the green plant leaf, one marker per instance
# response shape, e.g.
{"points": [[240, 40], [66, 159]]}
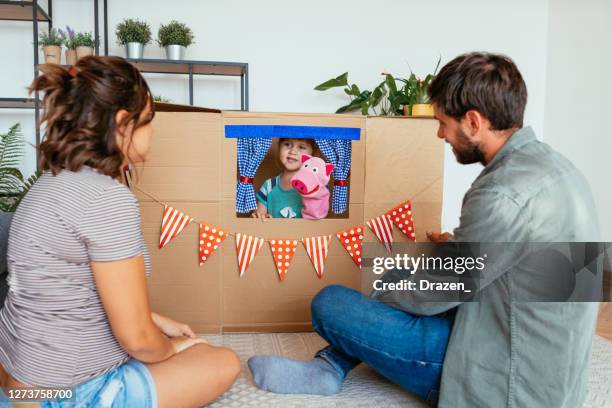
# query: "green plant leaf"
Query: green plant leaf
{"points": [[355, 103], [365, 107], [11, 147], [132, 30], [174, 33], [377, 95], [83, 40], [437, 65], [341, 80], [390, 82]]}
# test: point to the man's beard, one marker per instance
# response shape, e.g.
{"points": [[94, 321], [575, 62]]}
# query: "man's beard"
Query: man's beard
{"points": [[469, 153]]}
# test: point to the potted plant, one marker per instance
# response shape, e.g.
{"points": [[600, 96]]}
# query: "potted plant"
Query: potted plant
{"points": [[51, 44], [415, 90], [13, 186], [160, 99], [134, 35], [174, 37], [68, 41], [384, 100], [84, 44]]}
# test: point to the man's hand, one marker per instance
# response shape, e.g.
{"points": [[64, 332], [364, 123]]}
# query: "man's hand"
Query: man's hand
{"points": [[172, 328], [438, 237]]}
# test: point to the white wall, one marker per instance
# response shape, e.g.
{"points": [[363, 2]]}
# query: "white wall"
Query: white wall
{"points": [[293, 46], [577, 115]]}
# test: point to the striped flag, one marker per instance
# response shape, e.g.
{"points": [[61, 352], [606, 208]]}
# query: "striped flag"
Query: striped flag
{"points": [[383, 229], [351, 240], [247, 247], [173, 222], [317, 247], [210, 238], [402, 217], [282, 252]]}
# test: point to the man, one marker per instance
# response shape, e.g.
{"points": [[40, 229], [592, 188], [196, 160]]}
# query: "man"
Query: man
{"points": [[497, 351]]}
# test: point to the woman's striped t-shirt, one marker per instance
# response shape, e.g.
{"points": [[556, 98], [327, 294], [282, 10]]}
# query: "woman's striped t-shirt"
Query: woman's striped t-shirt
{"points": [[53, 328]]}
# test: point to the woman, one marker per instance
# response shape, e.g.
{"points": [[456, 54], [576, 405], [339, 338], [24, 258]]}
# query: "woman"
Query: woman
{"points": [[77, 314]]}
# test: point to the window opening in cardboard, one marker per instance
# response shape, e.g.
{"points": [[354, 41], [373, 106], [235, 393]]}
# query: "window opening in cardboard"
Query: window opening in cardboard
{"points": [[257, 161]]}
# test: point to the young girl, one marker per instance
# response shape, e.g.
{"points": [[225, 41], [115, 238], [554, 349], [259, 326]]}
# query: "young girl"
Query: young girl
{"points": [[77, 313], [276, 197]]}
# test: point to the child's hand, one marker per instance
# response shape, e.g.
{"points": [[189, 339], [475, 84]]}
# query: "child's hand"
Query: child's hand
{"points": [[438, 237], [261, 216]]}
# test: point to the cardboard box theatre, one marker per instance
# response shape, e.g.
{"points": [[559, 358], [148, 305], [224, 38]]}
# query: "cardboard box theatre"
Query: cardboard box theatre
{"points": [[218, 269]]}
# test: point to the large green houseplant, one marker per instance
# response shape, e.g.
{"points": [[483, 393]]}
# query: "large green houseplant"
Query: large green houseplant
{"points": [[385, 99], [13, 185]]}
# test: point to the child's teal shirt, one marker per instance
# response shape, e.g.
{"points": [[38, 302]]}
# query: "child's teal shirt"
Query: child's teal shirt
{"points": [[279, 202]]}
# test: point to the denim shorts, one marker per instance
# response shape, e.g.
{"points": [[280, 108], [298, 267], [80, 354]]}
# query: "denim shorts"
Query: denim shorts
{"points": [[129, 385]]}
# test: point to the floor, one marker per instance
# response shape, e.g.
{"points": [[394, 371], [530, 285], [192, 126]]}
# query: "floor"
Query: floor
{"points": [[364, 387]]}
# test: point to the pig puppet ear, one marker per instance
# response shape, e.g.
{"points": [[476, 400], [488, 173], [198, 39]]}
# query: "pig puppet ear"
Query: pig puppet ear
{"points": [[329, 168], [305, 157]]}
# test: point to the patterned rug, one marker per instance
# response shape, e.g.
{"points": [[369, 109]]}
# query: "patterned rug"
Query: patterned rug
{"points": [[364, 387]]}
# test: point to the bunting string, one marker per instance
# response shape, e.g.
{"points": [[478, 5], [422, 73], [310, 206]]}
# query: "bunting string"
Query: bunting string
{"points": [[247, 246]]}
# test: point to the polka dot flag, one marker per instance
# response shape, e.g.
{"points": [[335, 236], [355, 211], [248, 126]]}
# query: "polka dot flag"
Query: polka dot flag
{"points": [[351, 240], [210, 239], [173, 222], [401, 216], [282, 252], [383, 229], [247, 247]]}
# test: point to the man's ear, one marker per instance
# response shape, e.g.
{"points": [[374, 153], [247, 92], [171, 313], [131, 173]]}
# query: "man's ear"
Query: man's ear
{"points": [[473, 122]]}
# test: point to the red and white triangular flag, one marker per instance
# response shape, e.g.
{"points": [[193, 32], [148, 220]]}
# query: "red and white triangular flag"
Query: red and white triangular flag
{"points": [[247, 247], [401, 216], [317, 247], [351, 240], [282, 252], [210, 238], [173, 222], [383, 229]]}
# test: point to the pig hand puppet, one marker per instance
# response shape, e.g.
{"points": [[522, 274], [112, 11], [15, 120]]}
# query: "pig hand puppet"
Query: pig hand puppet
{"points": [[311, 182]]}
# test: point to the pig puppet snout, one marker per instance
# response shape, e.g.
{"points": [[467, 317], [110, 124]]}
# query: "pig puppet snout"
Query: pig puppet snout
{"points": [[299, 186]]}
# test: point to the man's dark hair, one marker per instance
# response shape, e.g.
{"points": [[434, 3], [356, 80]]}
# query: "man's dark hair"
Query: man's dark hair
{"points": [[488, 83]]}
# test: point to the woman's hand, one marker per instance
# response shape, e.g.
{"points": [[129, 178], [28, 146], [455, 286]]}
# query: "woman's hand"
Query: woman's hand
{"points": [[181, 343], [172, 328]]}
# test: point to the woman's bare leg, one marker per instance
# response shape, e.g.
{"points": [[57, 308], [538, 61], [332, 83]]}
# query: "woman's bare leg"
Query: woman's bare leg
{"points": [[195, 376]]}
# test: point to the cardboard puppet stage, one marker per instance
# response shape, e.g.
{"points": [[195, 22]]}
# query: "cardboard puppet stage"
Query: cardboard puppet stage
{"points": [[193, 169]]}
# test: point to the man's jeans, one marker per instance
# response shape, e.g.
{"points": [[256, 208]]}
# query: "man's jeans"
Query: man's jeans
{"points": [[408, 350]]}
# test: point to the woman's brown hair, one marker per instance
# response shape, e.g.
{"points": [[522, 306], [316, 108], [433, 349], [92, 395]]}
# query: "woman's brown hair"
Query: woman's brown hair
{"points": [[80, 105]]}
